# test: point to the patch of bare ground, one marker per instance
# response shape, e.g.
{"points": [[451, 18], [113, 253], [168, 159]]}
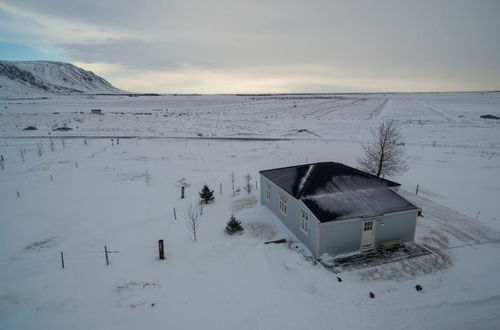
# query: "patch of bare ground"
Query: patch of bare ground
{"points": [[136, 294], [406, 269], [243, 203], [259, 230]]}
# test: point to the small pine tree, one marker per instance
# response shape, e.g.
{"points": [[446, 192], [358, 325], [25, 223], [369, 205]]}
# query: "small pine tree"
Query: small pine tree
{"points": [[233, 226], [206, 194]]}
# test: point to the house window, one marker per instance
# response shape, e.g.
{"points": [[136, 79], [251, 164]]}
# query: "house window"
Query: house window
{"points": [[283, 204], [268, 191], [368, 226], [304, 222]]}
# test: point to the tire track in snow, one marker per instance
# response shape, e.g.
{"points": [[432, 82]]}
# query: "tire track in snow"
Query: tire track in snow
{"points": [[323, 114], [435, 110], [324, 106], [376, 112]]}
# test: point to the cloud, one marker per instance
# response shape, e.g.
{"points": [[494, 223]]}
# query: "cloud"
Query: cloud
{"points": [[318, 45]]}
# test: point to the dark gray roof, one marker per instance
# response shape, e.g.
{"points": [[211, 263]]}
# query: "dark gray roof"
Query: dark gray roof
{"points": [[334, 191]]}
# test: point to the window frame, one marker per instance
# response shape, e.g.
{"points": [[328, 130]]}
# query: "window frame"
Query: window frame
{"points": [[283, 204], [304, 222]]}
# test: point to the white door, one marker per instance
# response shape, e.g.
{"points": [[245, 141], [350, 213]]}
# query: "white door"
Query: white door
{"points": [[368, 236]]}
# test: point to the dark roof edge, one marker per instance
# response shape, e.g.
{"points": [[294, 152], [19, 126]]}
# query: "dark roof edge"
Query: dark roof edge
{"points": [[389, 182], [282, 168], [368, 217]]}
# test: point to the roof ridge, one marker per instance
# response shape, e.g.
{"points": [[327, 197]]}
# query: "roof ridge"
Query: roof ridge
{"points": [[309, 174], [292, 166]]}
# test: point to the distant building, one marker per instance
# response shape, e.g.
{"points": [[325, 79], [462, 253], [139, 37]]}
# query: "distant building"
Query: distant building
{"points": [[336, 209], [96, 111]]}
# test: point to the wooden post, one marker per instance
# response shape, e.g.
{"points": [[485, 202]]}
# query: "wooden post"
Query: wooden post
{"points": [[416, 192], [117, 140], [182, 192], [106, 253], [18, 195], [76, 164], [51, 178], [160, 249], [62, 259], [1, 158], [85, 140], [175, 214]]}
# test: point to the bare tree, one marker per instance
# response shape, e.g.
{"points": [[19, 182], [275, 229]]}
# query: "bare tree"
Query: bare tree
{"points": [[22, 151], [192, 217], [233, 180], [384, 155], [248, 183], [51, 143], [39, 149]]}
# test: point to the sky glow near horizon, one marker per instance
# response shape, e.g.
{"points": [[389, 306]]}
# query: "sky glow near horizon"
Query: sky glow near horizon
{"points": [[263, 46]]}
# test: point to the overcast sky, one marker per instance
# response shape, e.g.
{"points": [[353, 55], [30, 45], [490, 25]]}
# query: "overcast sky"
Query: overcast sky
{"points": [[257, 46]]}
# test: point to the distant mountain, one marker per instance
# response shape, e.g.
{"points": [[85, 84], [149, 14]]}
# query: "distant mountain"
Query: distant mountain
{"points": [[18, 78]]}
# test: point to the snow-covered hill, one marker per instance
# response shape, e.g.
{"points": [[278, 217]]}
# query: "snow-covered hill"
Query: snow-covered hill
{"points": [[39, 77]]}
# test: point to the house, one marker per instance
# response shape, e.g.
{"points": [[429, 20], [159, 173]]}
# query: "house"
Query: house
{"points": [[336, 209], [96, 112]]}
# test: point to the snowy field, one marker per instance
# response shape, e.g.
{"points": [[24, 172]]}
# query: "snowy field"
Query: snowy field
{"points": [[76, 198]]}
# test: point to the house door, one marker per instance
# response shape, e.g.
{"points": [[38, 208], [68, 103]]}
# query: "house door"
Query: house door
{"points": [[368, 236]]}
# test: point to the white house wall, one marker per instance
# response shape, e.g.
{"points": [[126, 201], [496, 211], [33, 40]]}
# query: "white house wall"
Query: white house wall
{"points": [[293, 215], [398, 226], [345, 236]]}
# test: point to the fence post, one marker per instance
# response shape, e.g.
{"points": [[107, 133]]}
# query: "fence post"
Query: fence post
{"points": [[416, 191], [175, 214], [106, 253], [160, 249], [182, 192], [62, 259]]}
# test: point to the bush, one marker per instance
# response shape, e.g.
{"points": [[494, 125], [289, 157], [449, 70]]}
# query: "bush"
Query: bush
{"points": [[233, 226], [206, 194], [63, 128]]}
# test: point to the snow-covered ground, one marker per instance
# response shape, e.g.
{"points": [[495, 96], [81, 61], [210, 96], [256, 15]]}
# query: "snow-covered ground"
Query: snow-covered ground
{"points": [[78, 197]]}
